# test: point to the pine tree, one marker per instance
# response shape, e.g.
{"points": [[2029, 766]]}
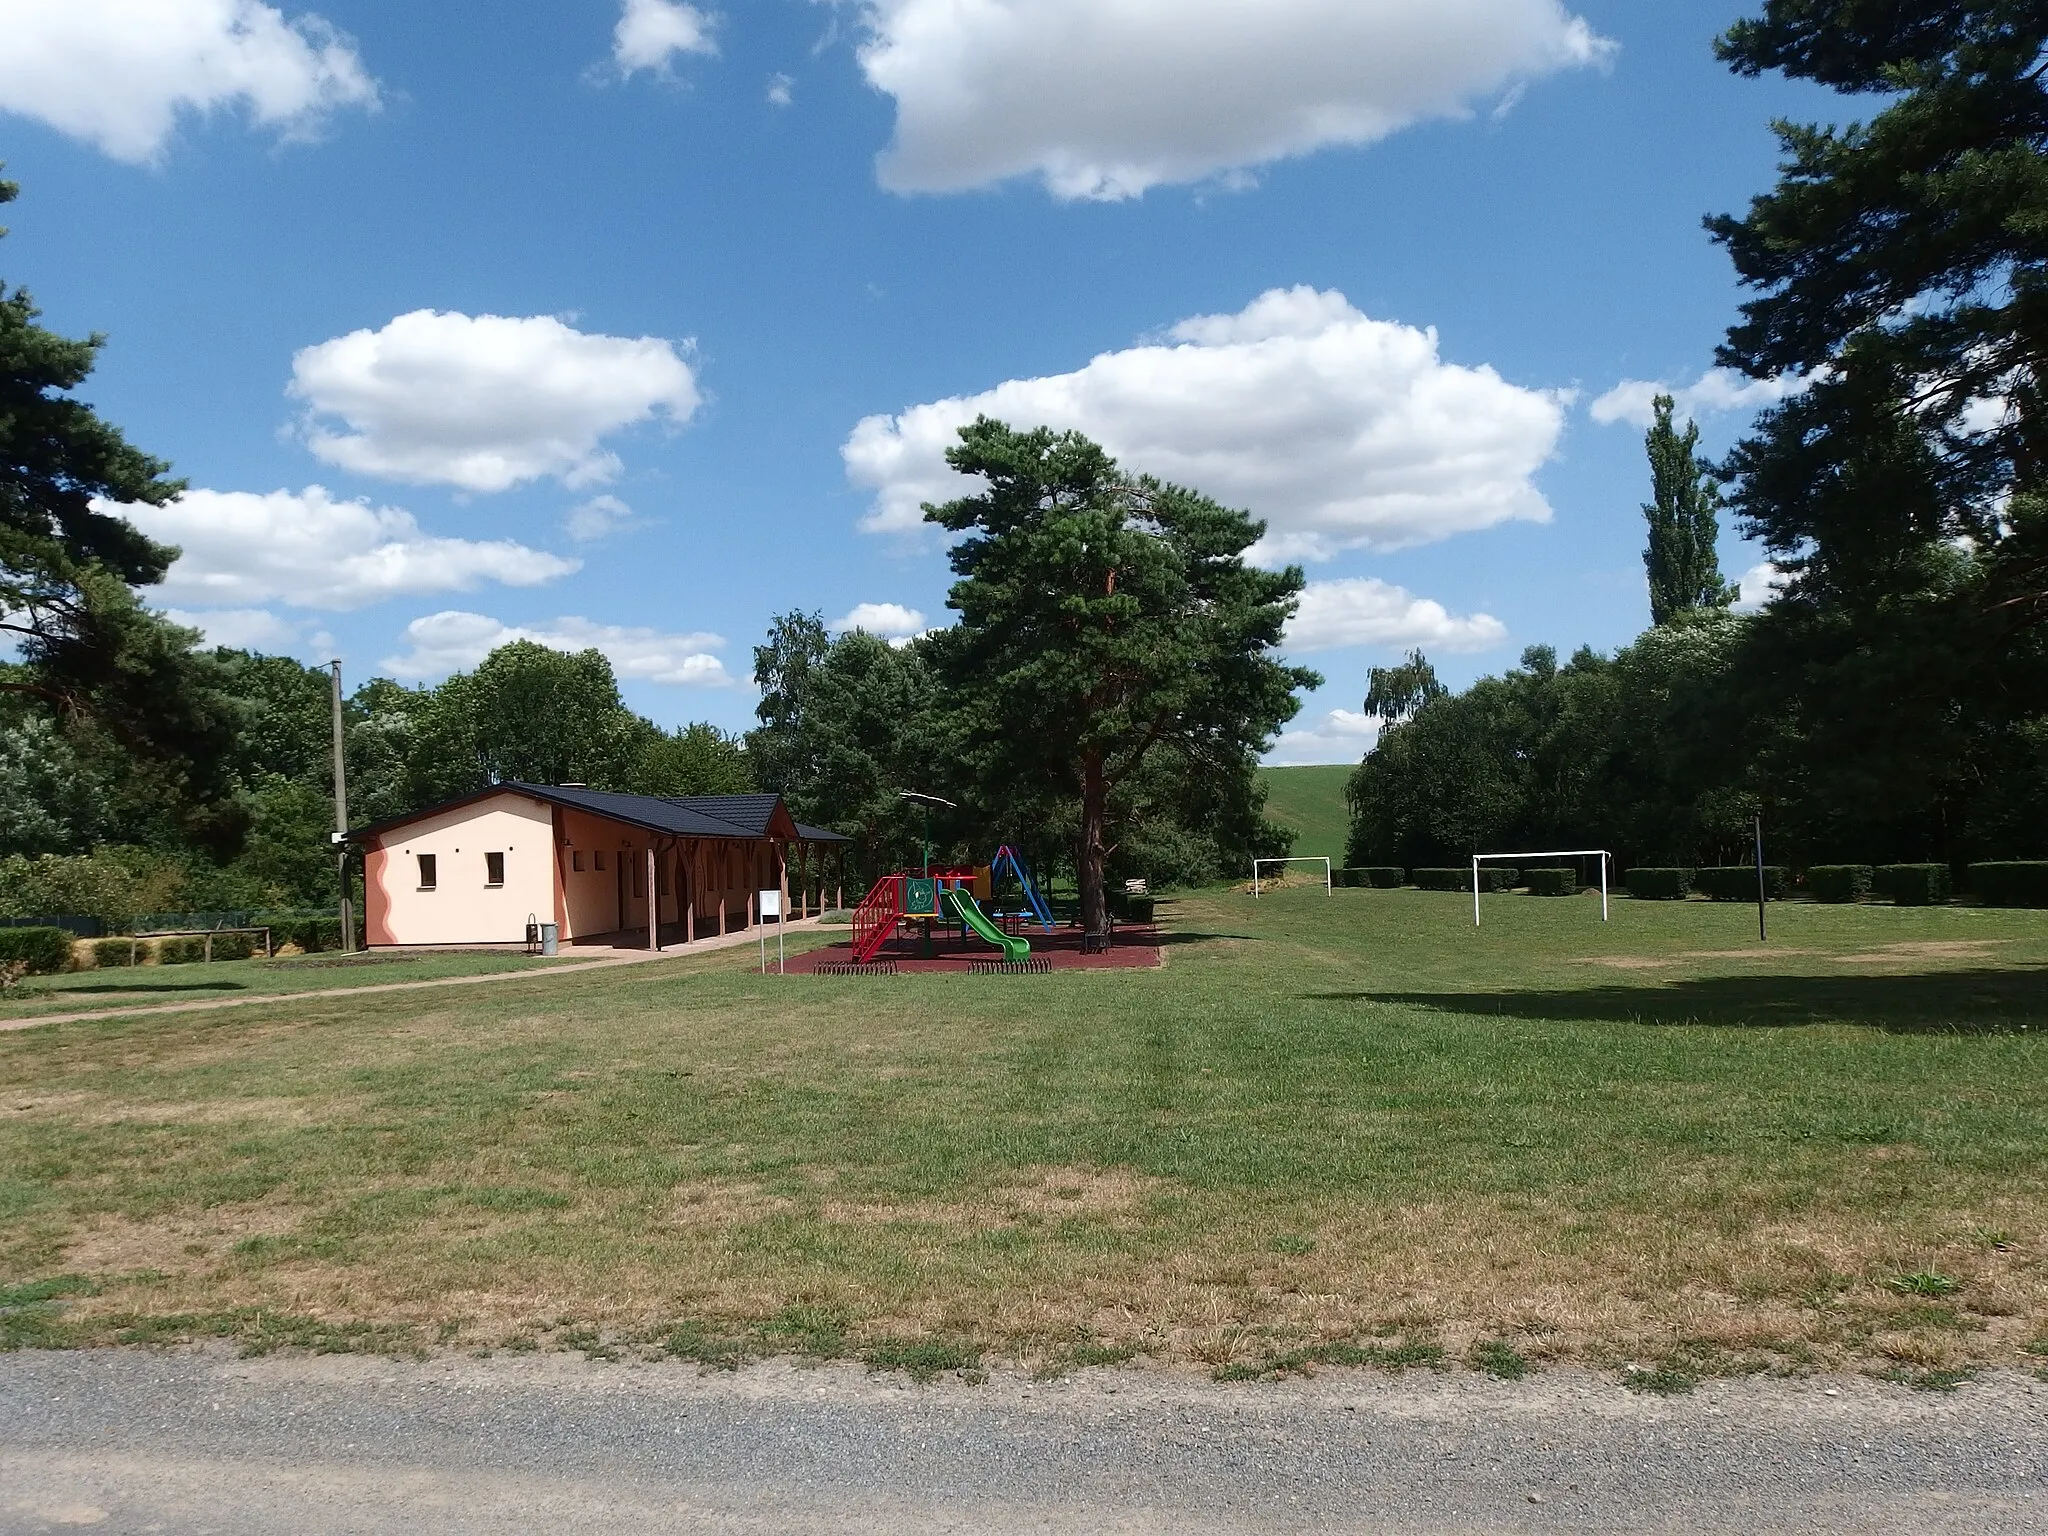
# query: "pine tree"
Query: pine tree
{"points": [[1684, 570]]}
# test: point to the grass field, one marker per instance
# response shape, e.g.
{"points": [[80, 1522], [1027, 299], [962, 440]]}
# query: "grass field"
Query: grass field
{"points": [[1310, 803], [1333, 1130], [141, 986]]}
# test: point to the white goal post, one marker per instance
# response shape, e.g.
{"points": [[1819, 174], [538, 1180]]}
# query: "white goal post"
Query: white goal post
{"points": [[1559, 853], [1329, 884]]}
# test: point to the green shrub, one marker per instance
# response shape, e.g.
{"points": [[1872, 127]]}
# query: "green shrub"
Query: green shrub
{"points": [[1552, 882], [1658, 884], [1916, 885], [235, 946], [47, 951], [1737, 882], [1491, 878], [2011, 883], [1839, 882], [1129, 909], [180, 951], [1382, 877], [116, 954]]}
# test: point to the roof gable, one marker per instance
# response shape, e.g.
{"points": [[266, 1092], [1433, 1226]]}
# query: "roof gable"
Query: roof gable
{"points": [[741, 817]]}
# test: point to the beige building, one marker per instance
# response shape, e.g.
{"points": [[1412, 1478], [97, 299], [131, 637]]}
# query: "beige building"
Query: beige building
{"points": [[604, 868]]}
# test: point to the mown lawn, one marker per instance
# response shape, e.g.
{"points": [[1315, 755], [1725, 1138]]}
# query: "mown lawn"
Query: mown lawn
{"points": [[1328, 1129]]}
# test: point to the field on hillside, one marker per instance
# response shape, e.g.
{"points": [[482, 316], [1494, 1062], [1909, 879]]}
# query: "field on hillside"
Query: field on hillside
{"points": [[1310, 803], [1336, 1130]]}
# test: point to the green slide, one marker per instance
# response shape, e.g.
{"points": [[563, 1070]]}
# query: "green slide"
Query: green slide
{"points": [[963, 906]]}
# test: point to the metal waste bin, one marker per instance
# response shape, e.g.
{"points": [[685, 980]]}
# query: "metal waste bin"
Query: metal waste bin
{"points": [[550, 939]]}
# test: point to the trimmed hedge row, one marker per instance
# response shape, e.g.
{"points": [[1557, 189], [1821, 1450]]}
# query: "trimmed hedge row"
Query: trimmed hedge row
{"points": [[1376, 878], [2011, 883], [1491, 878], [1913, 885], [46, 951], [1737, 882], [1658, 884], [1838, 883], [1552, 882]]}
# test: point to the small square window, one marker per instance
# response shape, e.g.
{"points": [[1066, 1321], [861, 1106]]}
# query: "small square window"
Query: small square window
{"points": [[600, 861], [576, 860], [494, 869], [429, 872]]}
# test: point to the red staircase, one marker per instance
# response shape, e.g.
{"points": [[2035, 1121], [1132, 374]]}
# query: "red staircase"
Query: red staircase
{"points": [[874, 920]]}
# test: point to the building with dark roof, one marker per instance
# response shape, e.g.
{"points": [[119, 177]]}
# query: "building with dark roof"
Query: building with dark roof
{"points": [[605, 868]]}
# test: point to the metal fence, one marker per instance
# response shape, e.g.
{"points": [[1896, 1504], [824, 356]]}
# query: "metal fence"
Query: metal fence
{"points": [[71, 922]]}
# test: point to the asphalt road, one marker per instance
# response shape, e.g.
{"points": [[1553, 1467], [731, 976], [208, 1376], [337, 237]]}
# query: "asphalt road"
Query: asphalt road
{"points": [[203, 1442]]}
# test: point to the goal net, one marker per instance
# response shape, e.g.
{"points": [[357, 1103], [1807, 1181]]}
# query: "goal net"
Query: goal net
{"points": [[1521, 859], [1257, 864]]}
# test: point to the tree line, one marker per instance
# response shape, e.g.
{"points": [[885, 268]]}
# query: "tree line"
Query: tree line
{"points": [[1891, 702]]}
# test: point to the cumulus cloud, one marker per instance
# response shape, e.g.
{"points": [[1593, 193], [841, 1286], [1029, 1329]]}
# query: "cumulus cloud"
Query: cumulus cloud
{"points": [[889, 621], [1758, 585], [1342, 736], [485, 403], [240, 629], [781, 90], [118, 73], [599, 518], [1339, 430], [651, 33], [1105, 98], [1367, 611], [1715, 393], [308, 550], [442, 643]]}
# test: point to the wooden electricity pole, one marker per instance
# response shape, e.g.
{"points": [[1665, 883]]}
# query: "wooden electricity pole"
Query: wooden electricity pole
{"points": [[348, 918]]}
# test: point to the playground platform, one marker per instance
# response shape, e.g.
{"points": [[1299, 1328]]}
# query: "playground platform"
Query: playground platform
{"points": [[1135, 947]]}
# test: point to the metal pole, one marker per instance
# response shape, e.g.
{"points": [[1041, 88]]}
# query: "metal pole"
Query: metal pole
{"points": [[1762, 936], [1475, 890], [1603, 888], [348, 920]]}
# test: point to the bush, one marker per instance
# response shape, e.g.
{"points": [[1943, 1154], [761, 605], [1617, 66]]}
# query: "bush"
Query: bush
{"points": [[2011, 883], [117, 954], [234, 946], [1916, 885], [1737, 882], [1127, 908], [1658, 884], [1552, 882], [180, 951], [1491, 878], [1839, 882], [1381, 877], [46, 951], [313, 935]]}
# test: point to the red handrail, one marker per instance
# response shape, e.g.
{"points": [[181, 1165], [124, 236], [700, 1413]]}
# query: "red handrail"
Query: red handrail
{"points": [[874, 920]]}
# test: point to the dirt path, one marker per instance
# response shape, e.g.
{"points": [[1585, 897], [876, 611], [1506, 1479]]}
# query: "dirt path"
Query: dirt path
{"points": [[134, 1441], [611, 961]]}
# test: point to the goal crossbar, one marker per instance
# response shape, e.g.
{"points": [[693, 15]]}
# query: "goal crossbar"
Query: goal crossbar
{"points": [[1550, 853], [1329, 883]]}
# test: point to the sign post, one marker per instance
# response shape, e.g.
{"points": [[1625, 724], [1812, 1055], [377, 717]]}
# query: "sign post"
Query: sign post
{"points": [[771, 906]]}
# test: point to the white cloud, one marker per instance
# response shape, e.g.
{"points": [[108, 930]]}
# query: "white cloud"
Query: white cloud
{"points": [[485, 403], [442, 643], [309, 550], [1339, 430], [1105, 98], [1758, 586], [240, 629], [599, 518], [1367, 611], [1344, 736], [781, 90], [651, 33], [117, 73], [1716, 392], [889, 621]]}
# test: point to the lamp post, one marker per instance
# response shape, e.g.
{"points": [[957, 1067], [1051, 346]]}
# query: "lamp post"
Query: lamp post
{"points": [[926, 802], [348, 923]]}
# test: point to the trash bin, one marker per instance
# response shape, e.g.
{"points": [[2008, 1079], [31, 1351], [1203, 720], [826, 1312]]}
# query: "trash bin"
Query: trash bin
{"points": [[550, 939]]}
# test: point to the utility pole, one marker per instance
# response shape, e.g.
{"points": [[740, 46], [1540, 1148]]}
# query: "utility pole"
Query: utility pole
{"points": [[348, 917]]}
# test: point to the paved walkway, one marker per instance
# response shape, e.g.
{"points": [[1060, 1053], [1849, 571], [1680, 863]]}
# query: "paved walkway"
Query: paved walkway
{"points": [[612, 959], [190, 1442]]}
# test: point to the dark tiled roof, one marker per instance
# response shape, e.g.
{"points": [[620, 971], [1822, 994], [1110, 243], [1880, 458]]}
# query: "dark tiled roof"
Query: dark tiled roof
{"points": [[820, 835], [747, 817], [752, 813]]}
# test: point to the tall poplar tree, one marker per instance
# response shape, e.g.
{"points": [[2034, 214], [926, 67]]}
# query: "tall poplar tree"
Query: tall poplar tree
{"points": [[1683, 566], [1102, 618]]}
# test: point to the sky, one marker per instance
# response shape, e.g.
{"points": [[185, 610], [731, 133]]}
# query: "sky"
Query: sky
{"points": [[632, 323]]}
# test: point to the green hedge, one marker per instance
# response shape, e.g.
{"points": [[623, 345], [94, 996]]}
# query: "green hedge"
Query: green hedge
{"points": [[118, 954], [313, 935], [1375, 878], [1125, 908], [1839, 882], [2011, 883], [180, 951], [47, 950], [1658, 884], [1737, 882], [1491, 878], [1551, 882], [1915, 885]]}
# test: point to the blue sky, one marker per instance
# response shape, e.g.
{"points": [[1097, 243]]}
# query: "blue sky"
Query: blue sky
{"points": [[632, 323]]}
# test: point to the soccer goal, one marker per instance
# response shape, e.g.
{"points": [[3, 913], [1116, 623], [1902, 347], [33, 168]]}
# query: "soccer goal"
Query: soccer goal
{"points": [[1328, 883], [1560, 853]]}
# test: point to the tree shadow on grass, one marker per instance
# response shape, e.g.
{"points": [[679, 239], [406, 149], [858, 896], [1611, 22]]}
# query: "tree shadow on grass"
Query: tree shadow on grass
{"points": [[2007, 1000], [139, 989]]}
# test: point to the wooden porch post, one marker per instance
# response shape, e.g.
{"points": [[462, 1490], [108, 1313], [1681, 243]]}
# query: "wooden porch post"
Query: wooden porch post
{"points": [[686, 870], [724, 885], [653, 903], [839, 894], [782, 877]]}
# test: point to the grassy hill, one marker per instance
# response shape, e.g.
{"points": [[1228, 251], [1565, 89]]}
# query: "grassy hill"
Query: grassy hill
{"points": [[1311, 801]]}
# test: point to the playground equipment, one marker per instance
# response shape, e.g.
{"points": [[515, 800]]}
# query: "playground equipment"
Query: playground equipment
{"points": [[949, 896]]}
